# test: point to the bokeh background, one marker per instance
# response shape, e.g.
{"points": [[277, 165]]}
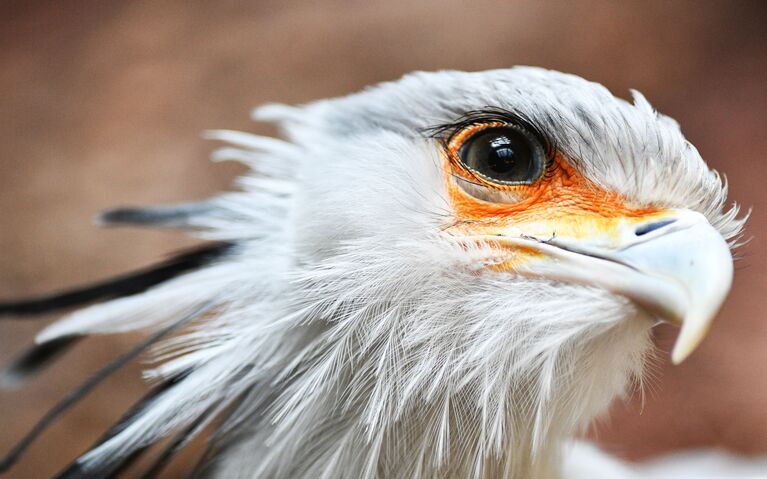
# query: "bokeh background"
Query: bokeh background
{"points": [[102, 103]]}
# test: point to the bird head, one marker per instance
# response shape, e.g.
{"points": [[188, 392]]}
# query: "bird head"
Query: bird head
{"points": [[528, 177], [439, 276], [499, 242]]}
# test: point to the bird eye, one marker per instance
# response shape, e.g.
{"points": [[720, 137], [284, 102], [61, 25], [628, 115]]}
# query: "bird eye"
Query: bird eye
{"points": [[505, 155]]}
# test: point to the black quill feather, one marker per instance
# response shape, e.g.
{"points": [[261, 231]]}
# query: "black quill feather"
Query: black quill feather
{"points": [[124, 285], [76, 395]]}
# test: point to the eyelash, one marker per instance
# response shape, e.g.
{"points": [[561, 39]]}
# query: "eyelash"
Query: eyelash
{"points": [[446, 132]]}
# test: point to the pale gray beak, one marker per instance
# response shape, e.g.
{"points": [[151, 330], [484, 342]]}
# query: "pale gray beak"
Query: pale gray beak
{"points": [[678, 269]]}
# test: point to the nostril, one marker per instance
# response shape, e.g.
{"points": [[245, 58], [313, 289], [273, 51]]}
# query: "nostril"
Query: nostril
{"points": [[650, 227]]}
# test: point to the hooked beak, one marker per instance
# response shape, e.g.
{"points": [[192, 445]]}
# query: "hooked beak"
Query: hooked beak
{"points": [[676, 266]]}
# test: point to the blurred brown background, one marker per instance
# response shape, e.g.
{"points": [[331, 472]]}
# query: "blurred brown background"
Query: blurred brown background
{"points": [[102, 103]]}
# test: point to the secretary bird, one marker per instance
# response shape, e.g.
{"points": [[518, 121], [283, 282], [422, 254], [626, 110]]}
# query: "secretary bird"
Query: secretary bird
{"points": [[445, 276]]}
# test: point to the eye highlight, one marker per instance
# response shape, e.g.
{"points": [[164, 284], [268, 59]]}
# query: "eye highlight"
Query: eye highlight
{"points": [[500, 154]]}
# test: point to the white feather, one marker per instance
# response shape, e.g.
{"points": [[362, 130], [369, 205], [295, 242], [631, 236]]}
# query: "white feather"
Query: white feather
{"points": [[365, 341]]}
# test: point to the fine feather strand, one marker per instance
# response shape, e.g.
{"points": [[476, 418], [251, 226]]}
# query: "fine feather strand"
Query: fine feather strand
{"points": [[75, 396], [370, 342]]}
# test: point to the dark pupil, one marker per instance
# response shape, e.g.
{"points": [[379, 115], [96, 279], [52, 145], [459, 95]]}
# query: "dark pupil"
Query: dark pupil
{"points": [[501, 154]]}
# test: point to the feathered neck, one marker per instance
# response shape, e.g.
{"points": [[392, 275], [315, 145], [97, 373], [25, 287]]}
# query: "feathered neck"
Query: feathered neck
{"points": [[360, 396]]}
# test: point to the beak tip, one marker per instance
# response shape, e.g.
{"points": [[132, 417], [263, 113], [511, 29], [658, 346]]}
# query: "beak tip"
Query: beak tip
{"points": [[679, 355], [683, 348], [693, 330]]}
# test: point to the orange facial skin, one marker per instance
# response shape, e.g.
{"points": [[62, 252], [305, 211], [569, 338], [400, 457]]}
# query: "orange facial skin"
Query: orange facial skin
{"points": [[560, 203]]}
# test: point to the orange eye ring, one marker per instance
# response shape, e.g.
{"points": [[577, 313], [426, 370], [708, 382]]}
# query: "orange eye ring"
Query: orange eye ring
{"points": [[561, 192]]}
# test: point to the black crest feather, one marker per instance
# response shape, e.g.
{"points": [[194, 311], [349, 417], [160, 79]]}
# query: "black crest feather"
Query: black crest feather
{"points": [[124, 285], [76, 395]]}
